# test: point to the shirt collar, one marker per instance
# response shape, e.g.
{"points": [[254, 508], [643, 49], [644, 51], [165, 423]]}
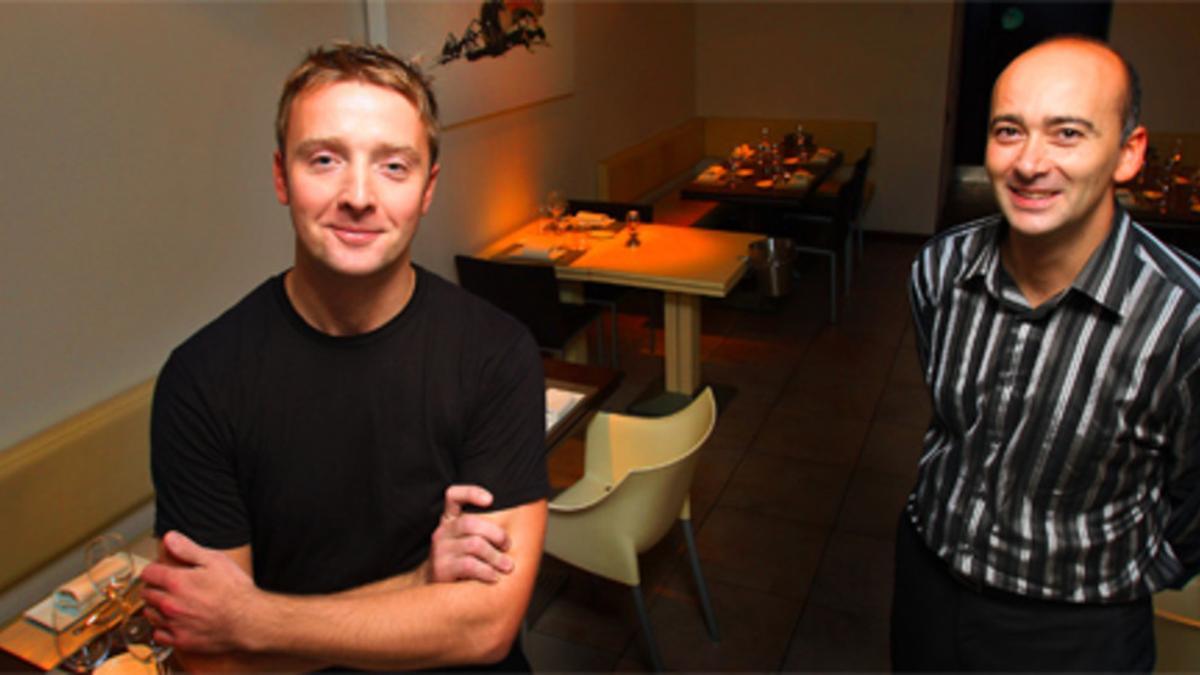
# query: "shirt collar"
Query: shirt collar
{"points": [[1104, 279]]}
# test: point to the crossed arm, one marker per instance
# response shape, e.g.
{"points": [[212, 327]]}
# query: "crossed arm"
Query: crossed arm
{"points": [[204, 602]]}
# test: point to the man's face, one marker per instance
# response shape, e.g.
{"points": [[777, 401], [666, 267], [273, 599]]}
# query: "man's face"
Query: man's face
{"points": [[356, 177], [1054, 144]]}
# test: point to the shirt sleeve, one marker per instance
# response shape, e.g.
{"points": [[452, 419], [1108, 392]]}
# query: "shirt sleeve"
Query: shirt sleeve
{"points": [[504, 445], [192, 464], [922, 302], [1183, 488]]}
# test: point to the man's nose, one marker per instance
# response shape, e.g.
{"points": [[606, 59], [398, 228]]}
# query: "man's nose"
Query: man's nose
{"points": [[1031, 161], [357, 194]]}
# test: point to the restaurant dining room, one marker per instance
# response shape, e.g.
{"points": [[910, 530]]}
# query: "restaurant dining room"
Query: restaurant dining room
{"points": [[700, 218]]}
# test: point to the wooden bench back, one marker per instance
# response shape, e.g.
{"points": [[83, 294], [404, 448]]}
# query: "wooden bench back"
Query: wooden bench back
{"points": [[852, 137], [72, 481], [1164, 142], [639, 170]]}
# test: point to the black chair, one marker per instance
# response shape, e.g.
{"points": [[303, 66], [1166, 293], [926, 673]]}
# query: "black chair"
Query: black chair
{"points": [[529, 292], [828, 229], [606, 295]]}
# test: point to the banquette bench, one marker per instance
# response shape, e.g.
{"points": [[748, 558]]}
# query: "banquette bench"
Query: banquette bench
{"points": [[82, 476], [653, 170]]}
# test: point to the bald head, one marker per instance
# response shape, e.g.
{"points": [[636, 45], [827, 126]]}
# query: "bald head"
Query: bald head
{"points": [[1118, 77]]}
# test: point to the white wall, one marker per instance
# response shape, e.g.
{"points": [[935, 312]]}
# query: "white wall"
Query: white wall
{"points": [[135, 195], [886, 62]]}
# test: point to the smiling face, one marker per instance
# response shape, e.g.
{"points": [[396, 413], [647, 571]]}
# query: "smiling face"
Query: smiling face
{"points": [[1054, 146], [356, 176]]}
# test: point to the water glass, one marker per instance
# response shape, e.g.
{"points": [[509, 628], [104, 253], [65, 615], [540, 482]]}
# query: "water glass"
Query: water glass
{"points": [[77, 657]]}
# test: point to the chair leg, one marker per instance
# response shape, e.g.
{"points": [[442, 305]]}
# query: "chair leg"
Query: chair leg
{"points": [[848, 259], [710, 618], [614, 344], [833, 287], [647, 631]]}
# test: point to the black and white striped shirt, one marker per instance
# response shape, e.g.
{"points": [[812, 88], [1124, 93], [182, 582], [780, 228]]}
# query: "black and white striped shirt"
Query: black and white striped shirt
{"points": [[1063, 458]]}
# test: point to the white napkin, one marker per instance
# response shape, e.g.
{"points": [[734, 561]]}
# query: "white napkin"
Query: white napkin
{"points": [[536, 252], [79, 591], [799, 180], [712, 174], [590, 220], [558, 403]]}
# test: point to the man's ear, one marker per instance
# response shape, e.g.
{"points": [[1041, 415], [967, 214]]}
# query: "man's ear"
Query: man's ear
{"points": [[430, 186], [279, 174], [1132, 154]]}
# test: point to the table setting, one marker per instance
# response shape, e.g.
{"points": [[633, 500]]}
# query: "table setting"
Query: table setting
{"points": [[94, 622]]}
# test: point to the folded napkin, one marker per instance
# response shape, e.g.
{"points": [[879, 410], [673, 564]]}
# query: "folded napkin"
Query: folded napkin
{"points": [[713, 174], [797, 181], [77, 597], [559, 402], [80, 592], [536, 252], [587, 220]]}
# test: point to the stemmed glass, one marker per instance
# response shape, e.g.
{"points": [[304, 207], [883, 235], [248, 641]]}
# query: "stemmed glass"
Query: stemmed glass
{"points": [[76, 657], [110, 569], [138, 634], [556, 204]]}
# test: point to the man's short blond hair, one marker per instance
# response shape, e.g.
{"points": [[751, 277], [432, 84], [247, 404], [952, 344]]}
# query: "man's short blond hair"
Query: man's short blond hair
{"points": [[342, 61]]}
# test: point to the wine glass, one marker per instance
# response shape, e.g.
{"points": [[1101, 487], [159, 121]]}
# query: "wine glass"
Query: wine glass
{"points": [[138, 635], [78, 650], [110, 569], [556, 204]]}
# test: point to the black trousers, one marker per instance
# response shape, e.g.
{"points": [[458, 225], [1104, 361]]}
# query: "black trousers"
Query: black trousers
{"points": [[941, 624]]}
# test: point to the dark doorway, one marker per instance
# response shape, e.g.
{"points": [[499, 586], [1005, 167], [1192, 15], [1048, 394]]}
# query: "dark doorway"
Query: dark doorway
{"points": [[993, 34]]}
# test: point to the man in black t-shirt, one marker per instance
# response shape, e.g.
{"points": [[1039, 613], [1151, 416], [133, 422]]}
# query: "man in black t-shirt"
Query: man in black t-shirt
{"points": [[314, 447]]}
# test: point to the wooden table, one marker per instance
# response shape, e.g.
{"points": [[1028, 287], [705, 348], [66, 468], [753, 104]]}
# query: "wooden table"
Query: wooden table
{"points": [[744, 193], [684, 263]]}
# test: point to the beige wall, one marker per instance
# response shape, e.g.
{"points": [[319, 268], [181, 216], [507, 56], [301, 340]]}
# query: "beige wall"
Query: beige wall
{"points": [[886, 62], [633, 76], [135, 194], [1161, 40]]}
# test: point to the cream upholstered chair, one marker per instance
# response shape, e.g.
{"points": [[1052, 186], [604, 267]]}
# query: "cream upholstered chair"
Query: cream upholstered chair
{"points": [[1177, 629], [636, 481]]}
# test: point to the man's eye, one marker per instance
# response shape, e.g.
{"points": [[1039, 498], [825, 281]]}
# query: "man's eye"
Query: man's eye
{"points": [[397, 167], [322, 160], [1070, 134], [1006, 132]]}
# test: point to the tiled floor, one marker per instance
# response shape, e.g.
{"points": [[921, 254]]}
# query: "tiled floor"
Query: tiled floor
{"points": [[795, 499]]}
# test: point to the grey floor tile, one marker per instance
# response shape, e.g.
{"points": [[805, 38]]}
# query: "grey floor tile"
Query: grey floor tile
{"points": [[764, 553], [832, 640], [811, 436], [856, 575], [592, 612], [792, 489], [905, 405], [754, 630], [873, 503], [549, 654], [893, 449]]}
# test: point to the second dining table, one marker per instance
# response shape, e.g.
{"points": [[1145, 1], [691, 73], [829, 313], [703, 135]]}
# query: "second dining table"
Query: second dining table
{"points": [[684, 263]]}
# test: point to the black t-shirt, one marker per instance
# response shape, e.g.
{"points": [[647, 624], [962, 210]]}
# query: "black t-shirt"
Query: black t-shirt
{"points": [[330, 456]]}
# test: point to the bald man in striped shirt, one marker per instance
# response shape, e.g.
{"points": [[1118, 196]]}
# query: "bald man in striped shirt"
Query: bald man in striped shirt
{"points": [[1057, 489]]}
